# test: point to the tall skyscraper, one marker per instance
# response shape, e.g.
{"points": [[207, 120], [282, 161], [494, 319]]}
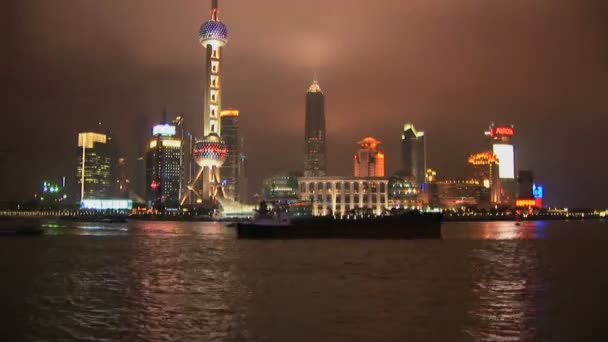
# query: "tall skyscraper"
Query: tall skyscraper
{"points": [[500, 141], [164, 167], [95, 162], [230, 169], [315, 162], [413, 151], [369, 162], [210, 152]]}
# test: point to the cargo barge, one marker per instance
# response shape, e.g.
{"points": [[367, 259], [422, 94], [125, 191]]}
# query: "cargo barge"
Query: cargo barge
{"points": [[403, 226]]}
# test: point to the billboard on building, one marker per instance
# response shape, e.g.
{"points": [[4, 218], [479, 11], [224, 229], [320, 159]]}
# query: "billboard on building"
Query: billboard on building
{"points": [[506, 160]]}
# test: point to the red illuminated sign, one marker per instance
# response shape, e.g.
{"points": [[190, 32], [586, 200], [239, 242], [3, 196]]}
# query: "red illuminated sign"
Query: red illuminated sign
{"points": [[503, 131]]}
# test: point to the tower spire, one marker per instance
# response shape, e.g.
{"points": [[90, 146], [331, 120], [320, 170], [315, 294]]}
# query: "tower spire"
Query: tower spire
{"points": [[214, 10]]}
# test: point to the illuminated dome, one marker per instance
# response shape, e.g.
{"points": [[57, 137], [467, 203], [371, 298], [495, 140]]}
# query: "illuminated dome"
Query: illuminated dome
{"points": [[211, 151], [213, 30]]}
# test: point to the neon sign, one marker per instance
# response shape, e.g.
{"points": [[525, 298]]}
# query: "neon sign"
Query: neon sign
{"points": [[502, 131], [164, 130], [538, 191]]}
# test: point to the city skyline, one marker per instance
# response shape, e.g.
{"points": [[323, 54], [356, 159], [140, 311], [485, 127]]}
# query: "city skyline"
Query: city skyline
{"points": [[450, 108]]}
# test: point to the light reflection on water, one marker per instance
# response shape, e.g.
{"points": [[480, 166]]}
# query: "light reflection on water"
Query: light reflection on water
{"points": [[503, 230], [506, 288], [159, 281]]}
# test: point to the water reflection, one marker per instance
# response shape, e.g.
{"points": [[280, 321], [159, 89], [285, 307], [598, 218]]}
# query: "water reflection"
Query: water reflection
{"points": [[151, 284], [507, 230], [506, 286]]}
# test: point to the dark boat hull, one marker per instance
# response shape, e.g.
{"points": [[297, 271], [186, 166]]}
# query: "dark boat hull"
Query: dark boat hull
{"points": [[390, 227]]}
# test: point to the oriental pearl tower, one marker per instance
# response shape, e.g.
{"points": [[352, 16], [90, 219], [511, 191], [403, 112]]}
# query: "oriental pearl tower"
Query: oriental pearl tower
{"points": [[211, 151]]}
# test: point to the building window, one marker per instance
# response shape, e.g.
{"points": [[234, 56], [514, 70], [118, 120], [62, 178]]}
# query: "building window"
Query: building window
{"points": [[382, 187]]}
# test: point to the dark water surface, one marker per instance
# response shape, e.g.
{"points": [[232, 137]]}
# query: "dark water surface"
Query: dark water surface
{"points": [[154, 281]]}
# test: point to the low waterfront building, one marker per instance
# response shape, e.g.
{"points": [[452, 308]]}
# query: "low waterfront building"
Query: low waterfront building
{"points": [[340, 196], [453, 194], [403, 192], [282, 186]]}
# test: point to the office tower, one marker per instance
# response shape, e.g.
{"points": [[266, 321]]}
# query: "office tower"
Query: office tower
{"points": [[95, 162], [243, 176], [122, 182], [243, 181], [484, 169], [315, 159], [369, 162], [210, 152], [164, 167], [230, 169], [525, 197], [499, 139], [413, 151], [138, 164]]}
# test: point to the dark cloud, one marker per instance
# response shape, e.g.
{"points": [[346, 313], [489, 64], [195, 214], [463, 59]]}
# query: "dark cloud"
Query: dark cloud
{"points": [[450, 67]]}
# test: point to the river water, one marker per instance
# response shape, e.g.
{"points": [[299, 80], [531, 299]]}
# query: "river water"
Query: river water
{"points": [[155, 281]]}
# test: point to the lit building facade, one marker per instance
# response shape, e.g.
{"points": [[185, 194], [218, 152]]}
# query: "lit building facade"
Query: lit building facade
{"points": [[484, 169], [230, 169], [95, 162], [525, 196], [456, 194], [413, 151], [403, 193], [340, 196], [53, 193], [282, 186], [164, 167], [500, 140], [369, 162], [210, 152], [315, 159]]}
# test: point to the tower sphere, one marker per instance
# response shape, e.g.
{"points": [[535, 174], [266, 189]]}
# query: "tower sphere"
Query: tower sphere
{"points": [[210, 151], [213, 31]]}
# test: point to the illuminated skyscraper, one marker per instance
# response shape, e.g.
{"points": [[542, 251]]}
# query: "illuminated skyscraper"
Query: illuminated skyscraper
{"points": [[413, 151], [164, 167], [500, 140], [95, 162], [210, 152], [369, 162], [230, 169], [315, 162]]}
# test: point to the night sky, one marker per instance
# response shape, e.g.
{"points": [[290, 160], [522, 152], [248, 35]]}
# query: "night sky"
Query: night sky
{"points": [[450, 67]]}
